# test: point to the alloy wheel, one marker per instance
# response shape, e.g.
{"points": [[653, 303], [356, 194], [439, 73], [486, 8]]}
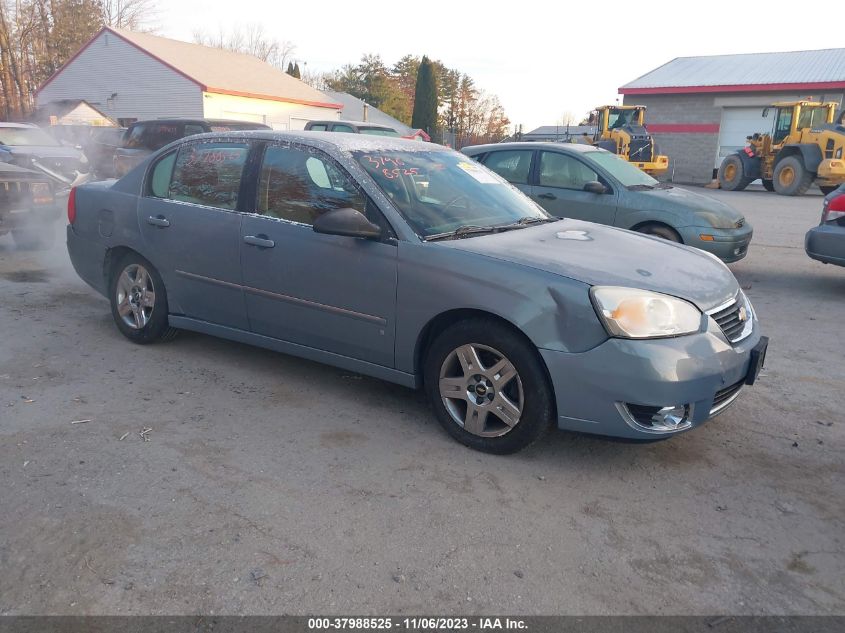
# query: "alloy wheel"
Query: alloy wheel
{"points": [[481, 390], [135, 296]]}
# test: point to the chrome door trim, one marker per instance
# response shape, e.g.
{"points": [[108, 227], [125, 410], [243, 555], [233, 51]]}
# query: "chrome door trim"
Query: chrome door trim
{"points": [[289, 299]]}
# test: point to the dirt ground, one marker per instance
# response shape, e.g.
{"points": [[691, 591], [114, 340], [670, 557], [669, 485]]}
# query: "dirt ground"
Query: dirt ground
{"points": [[274, 485]]}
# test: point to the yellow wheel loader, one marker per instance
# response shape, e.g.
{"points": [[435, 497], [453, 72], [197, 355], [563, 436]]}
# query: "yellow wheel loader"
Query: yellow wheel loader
{"points": [[619, 129], [804, 146]]}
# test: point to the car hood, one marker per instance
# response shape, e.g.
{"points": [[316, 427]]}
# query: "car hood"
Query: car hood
{"points": [[45, 151], [720, 215], [603, 255]]}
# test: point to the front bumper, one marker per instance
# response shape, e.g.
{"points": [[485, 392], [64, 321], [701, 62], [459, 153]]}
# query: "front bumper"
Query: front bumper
{"points": [[693, 370], [826, 243], [729, 245]]}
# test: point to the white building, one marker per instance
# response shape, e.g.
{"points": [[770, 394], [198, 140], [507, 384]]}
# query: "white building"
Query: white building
{"points": [[131, 76]]}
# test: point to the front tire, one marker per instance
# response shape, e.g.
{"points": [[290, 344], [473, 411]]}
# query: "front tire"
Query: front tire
{"points": [[661, 231], [732, 175], [488, 387], [139, 301], [791, 177]]}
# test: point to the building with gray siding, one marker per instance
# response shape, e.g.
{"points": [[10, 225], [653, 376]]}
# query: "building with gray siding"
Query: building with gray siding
{"points": [[700, 109]]}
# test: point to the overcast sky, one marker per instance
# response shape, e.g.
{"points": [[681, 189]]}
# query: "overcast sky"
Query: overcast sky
{"points": [[541, 58]]}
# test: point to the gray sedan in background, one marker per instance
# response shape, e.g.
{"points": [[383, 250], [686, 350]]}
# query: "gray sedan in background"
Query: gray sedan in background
{"points": [[411, 263], [585, 182]]}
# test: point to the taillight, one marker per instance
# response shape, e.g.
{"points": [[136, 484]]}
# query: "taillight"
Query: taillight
{"points": [[71, 206], [834, 210], [41, 193]]}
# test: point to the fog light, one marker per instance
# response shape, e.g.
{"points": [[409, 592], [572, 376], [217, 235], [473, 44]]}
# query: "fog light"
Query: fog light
{"points": [[648, 419]]}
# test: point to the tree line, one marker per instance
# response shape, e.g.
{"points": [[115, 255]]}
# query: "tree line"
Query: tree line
{"points": [[38, 36], [422, 93]]}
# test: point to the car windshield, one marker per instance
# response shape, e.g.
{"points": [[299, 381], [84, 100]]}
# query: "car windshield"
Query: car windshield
{"points": [[621, 169], [26, 136], [378, 131], [439, 192]]}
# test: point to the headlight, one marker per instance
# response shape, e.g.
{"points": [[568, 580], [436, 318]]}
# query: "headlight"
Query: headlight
{"points": [[716, 220], [633, 313]]}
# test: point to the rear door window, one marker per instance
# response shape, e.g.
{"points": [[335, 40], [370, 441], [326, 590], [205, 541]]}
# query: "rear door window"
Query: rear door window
{"points": [[157, 135], [512, 165], [342, 128], [207, 174], [320, 127]]}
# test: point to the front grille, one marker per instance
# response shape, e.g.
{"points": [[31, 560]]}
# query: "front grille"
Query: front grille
{"points": [[729, 319], [724, 397], [640, 151]]}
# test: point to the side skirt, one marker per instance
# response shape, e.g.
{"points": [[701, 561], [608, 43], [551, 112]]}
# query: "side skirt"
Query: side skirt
{"points": [[302, 351]]}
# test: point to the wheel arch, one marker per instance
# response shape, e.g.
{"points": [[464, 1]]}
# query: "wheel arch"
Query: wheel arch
{"points": [[810, 154], [641, 225], [440, 322], [113, 255]]}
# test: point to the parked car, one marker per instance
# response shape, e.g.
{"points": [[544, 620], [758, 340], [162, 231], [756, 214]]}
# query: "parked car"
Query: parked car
{"points": [[142, 138], [100, 149], [30, 147], [27, 206], [411, 263], [588, 183], [351, 127], [826, 242]]}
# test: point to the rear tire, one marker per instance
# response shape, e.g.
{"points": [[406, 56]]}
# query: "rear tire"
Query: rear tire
{"points": [[732, 175], [662, 231], [488, 387], [791, 178], [768, 185], [139, 301]]}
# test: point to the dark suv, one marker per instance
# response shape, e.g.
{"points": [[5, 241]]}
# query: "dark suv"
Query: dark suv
{"points": [[142, 138]]}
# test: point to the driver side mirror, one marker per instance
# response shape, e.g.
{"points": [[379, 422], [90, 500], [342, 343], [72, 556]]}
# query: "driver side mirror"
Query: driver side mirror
{"points": [[347, 222], [594, 186]]}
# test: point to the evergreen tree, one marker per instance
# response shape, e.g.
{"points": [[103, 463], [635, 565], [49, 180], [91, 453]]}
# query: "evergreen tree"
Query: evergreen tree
{"points": [[290, 70], [296, 72], [425, 99]]}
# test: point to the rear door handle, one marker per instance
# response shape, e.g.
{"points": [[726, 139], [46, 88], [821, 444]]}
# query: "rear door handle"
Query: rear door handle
{"points": [[160, 220], [259, 240], [547, 196]]}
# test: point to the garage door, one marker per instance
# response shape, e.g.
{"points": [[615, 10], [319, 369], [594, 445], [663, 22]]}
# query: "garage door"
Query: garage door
{"points": [[737, 123]]}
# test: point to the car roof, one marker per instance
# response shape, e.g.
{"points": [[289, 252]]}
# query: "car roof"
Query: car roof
{"points": [[17, 125], [575, 148], [342, 141], [199, 120], [355, 123]]}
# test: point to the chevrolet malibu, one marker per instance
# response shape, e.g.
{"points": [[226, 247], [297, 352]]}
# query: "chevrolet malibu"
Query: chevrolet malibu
{"points": [[411, 263]]}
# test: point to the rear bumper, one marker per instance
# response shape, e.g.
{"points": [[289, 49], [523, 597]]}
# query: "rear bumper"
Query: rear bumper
{"points": [[826, 243], [88, 258], [593, 388]]}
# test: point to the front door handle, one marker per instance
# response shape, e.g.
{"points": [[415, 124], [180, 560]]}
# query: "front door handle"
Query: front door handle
{"points": [[547, 196], [259, 240], [159, 221]]}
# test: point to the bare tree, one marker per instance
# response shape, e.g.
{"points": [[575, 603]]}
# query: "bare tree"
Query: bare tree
{"points": [[252, 40], [134, 15]]}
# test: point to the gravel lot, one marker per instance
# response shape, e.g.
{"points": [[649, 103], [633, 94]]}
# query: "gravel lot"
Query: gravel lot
{"points": [[275, 485]]}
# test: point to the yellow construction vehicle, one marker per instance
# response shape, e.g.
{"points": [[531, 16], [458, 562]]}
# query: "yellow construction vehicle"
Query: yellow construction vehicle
{"points": [[620, 129], [804, 146]]}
